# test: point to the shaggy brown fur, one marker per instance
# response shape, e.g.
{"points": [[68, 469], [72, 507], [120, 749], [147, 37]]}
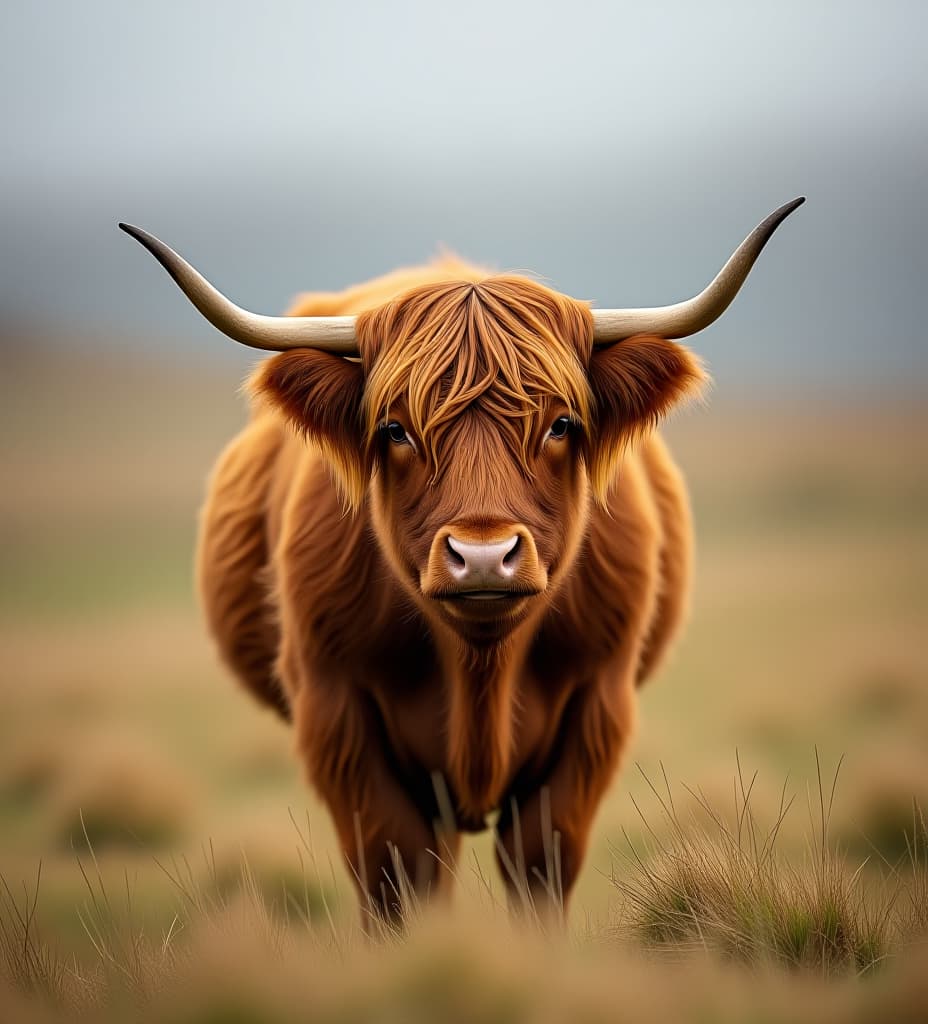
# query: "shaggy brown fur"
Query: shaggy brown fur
{"points": [[322, 562]]}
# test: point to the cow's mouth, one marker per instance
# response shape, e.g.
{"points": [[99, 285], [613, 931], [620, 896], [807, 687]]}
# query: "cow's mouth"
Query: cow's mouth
{"points": [[507, 594], [485, 615]]}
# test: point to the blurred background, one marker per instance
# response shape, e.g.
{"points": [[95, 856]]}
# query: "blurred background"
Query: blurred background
{"points": [[621, 151]]}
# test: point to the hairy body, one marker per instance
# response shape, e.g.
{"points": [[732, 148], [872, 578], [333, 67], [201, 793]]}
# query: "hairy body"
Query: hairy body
{"points": [[318, 611]]}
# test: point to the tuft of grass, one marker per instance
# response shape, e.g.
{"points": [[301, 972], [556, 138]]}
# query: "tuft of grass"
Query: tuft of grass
{"points": [[120, 794], [719, 885]]}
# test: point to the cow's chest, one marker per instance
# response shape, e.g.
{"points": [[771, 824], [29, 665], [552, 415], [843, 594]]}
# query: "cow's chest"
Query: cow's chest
{"points": [[418, 723]]}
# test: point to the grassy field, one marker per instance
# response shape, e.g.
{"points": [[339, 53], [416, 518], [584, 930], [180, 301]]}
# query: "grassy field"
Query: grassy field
{"points": [[187, 873]]}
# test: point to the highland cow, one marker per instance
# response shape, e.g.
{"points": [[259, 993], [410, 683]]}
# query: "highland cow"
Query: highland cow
{"points": [[449, 546]]}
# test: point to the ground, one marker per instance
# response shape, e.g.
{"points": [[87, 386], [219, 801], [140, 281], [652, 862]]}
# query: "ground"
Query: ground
{"points": [[806, 641]]}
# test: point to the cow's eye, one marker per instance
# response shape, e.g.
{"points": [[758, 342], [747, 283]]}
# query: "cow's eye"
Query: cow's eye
{"points": [[559, 428], [397, 433]]}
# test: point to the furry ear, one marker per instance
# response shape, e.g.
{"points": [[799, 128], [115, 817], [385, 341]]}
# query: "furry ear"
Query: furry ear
{"points": [[634, 383], [322, 395]]}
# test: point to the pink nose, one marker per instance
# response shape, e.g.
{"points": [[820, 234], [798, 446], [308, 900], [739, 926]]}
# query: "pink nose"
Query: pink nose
{"points": [[483, 566]]}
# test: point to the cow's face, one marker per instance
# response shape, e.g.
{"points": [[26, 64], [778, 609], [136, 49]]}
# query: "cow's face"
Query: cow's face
{"points": [[478, 406], [486, 534], [479, 425]]}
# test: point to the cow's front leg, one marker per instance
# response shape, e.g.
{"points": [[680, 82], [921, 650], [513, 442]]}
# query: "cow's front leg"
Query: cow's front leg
{"points": [[542, 835], [393, 851]]}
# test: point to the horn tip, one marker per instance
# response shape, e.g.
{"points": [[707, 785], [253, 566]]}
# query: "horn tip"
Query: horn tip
{"points": [[132, 231], [155, 246], [779, 215]]}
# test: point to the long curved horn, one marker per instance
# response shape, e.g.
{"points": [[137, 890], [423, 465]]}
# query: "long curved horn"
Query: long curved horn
{"points": [[271, 333], [686, 318]]}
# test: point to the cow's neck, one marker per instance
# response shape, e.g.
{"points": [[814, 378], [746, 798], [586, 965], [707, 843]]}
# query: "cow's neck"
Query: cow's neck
{"points": [[480, 722]]}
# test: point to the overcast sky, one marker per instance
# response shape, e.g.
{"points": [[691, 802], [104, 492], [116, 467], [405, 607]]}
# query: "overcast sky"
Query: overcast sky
{"points": [[619, 150]]}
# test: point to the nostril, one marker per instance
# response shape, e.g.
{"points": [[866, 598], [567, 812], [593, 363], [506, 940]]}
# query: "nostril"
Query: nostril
{"points": [[455, 558], [512, 555]]}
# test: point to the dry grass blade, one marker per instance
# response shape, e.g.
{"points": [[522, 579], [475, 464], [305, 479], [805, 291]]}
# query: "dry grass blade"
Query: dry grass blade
{"points": [[914, 922], [30, 964]]}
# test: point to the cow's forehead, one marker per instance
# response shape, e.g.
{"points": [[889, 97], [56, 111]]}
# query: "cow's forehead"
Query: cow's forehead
{"points": [[505, 347], [464, 337], [438, 382], [494, 313]]}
